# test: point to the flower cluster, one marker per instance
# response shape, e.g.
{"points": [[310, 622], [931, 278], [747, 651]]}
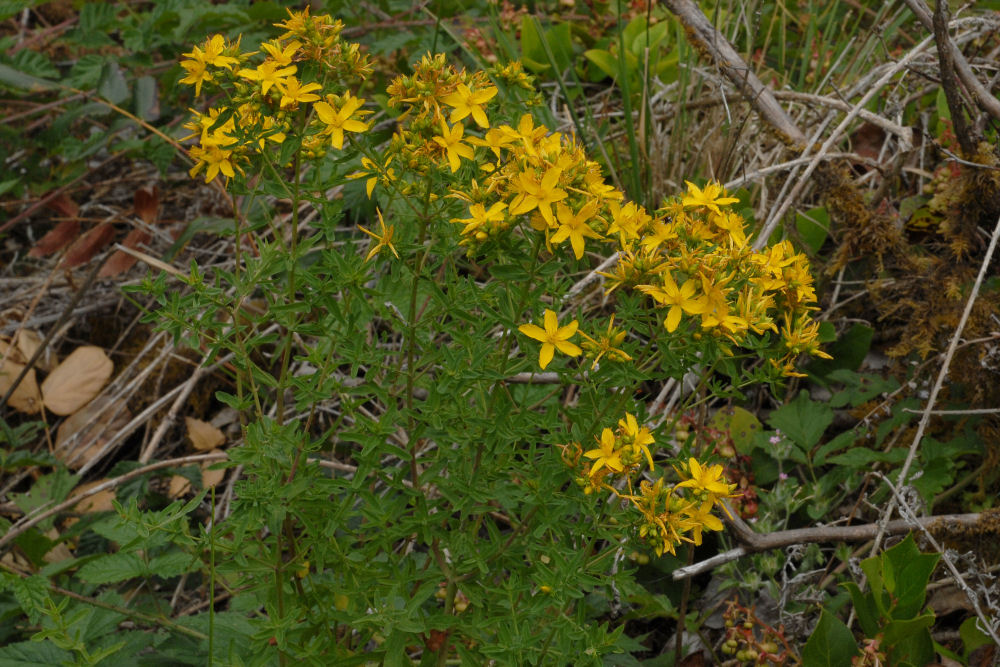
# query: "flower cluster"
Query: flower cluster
{"points": [[301, 87], [668, 514]]}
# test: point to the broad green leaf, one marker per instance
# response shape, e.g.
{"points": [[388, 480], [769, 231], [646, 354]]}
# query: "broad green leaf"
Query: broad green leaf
{"points": [[910, 572], [803, 420], [112, 85], [813, 227], [34, 654], [113, 568], [604, 61], [146, 98], [741, 425], [831, 644], [972, 636]]}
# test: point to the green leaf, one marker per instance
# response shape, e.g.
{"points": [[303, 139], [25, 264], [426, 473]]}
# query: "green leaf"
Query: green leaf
{"points": [[841, 441], [741, 425], [113, 568], [803, 420], [972, 636], [32, 593], [604, 61], [172, 564], [865, 608], [909, 572], [831, 644], [146, 98], [34, 654], [860, 457], [848, 352], [112, 85], [814, 227], [16, 79]]}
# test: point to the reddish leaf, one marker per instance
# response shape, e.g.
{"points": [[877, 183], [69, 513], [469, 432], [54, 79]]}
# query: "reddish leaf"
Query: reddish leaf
{"points": [[58, 238], [147, 204], [64, 206], [88, 245], [121, 261]]}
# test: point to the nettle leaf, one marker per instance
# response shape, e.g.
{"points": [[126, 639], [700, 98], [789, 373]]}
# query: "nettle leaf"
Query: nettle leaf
{"points": [[831, 644], [32, 593], [803, 420], [113, 568], [33, 654]]}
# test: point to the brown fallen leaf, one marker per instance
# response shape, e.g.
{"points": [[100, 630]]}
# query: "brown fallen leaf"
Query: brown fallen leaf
{"points": [[120, 261], [59, 552], [84, 433], [26, 398], [57, 238], [180, 485], [147, 204], [88, 245], [203, 435], [28, 342], [64, 205], [77, 380], [99, 502]]}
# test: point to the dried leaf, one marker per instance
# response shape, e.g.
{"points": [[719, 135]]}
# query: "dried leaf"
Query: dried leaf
{"points": [[120, 261], [203, 435], [180, 485], [867, 140], [58, 238], [64, 205], [82, 436], [147, 204], [77, 380], [26, 398], [210, 478], [59, 552], [11, 352], [88, 245], [99, 502], [28, 342]]}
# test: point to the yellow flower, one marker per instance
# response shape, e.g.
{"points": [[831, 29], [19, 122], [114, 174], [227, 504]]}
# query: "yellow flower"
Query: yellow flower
{"points": [[197, 69], [467, 102], [338, 122], [680, 300], [384, 239], [707, 480], [574, 226], [552, 337], [281, 57], [215, 158], [605, 455], [451, 142], [268, 75], [214, 48], [635, 436], [293, 92], [534, 194], [606, 344], [709, 197], [374, 172], [480, 217], [702, 518]]}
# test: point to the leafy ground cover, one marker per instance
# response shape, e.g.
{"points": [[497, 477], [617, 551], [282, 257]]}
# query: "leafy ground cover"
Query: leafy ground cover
{"points": [[497, 334]]}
